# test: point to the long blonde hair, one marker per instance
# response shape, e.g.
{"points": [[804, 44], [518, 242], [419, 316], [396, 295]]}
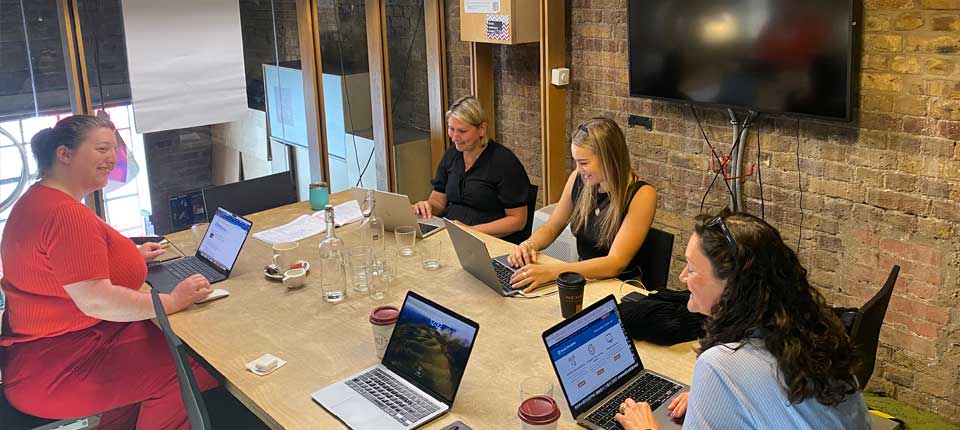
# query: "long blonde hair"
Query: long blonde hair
{"points": [[605, 139], [469, 110]]}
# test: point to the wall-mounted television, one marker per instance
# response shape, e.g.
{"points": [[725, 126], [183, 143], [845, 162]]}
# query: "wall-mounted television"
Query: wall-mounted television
{"points": [[775, 56]]}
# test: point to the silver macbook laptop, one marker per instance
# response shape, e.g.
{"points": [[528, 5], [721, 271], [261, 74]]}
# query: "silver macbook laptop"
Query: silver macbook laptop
{"points": [[420, 374], [475, 258], [598, 368], [215, 257], [395, 210]]}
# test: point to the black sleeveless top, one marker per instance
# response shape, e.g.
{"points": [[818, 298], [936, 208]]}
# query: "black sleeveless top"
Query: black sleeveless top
{"points": [[588, 238]]}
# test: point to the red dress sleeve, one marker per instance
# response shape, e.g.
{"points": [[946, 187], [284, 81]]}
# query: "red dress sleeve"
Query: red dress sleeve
{"points": [[76, 245]]}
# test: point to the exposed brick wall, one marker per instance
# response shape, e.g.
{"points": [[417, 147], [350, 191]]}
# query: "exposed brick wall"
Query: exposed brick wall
{"points": [[882, 190], [189, 153], [406, 48], [270, 35], [16, 92]]}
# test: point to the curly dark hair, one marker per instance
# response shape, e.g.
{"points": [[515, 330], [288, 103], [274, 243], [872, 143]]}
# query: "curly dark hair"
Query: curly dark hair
{"points": [[771, 299]]}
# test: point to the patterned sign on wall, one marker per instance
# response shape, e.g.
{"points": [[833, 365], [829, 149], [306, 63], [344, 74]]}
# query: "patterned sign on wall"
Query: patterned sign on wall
{"points": [[498, 27]]}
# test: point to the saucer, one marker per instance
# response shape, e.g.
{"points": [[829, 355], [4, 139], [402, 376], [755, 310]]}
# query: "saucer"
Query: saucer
{"points": [[279, 277]]}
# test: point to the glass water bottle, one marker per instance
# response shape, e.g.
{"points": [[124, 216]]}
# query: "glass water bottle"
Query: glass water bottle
{"points": [[333, 277]]}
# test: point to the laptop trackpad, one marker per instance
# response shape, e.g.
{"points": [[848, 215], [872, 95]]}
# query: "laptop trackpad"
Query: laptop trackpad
{"points": [[160, 278], [353, 409], [662, 414]]}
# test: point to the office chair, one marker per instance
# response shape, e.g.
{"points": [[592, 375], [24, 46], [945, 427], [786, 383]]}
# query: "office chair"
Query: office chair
{"points": [[531, 208], [189, 389], [865, 330], [13, 419], [251, 195], [655, 255]]}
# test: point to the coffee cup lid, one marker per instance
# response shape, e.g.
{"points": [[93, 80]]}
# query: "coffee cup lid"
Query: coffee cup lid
{"points": [[384, 315], [570, 279], [539, 410]]}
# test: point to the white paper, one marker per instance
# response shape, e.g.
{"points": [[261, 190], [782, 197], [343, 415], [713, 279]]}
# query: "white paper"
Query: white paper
{"points": [[185, 59], [481, 6], [310, 225], [251, 367]]}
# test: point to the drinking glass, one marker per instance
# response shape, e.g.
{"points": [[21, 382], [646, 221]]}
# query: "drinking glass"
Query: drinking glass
{"points": [[430, 253], [406, 240], [360, 262]]}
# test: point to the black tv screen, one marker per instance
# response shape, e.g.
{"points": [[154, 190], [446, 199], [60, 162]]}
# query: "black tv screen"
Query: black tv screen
{"points": [[784, 56]]}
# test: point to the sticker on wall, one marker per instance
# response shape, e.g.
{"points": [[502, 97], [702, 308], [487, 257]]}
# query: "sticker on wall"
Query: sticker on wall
{"points": [[498, 27], [481, 6]]}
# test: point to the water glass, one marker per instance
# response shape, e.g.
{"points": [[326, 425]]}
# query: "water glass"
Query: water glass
{"points": [[533, 386], [430, 253], [406, 240], [378, 282], [360, 262], [199, 231]]}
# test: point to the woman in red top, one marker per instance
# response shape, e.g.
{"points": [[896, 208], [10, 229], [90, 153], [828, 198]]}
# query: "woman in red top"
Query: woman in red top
{"points": [[76, 332]]}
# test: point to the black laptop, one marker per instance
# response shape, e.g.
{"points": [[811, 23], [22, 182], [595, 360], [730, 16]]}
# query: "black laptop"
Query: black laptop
{"points": [[215, 257], [598, 368]]}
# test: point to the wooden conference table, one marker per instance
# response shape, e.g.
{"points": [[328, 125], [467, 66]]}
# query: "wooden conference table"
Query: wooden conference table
{"points": [[324, 342]]}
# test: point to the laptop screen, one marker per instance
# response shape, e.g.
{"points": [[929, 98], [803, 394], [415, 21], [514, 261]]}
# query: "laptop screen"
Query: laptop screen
{"points": [[591, 353], [430, 346], [224, 238]]}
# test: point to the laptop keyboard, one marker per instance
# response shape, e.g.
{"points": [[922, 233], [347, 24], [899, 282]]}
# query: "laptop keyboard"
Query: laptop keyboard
{"points": [[427, 228], [648, 388], [393, 397], [503, 274], [185, 267]]}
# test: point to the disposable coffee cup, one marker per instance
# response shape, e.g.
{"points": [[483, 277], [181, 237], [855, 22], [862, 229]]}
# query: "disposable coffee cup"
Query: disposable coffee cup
{"points": [[383, 319], [570, 289], [538, 413]]}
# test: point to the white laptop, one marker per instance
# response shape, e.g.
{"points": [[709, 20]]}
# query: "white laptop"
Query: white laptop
{"points": [[418, 378], [395, 210]]}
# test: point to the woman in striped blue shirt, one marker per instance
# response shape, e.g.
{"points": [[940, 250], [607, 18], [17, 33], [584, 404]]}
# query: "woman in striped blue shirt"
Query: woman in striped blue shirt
{"points": [[774, 355]]}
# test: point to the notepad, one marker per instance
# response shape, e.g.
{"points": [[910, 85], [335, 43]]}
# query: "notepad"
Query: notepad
{"points": [[305, 226]]}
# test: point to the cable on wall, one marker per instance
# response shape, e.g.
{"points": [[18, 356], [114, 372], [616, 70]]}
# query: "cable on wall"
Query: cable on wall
{"points": [[715, 156], [800, 186], [759, 175]]}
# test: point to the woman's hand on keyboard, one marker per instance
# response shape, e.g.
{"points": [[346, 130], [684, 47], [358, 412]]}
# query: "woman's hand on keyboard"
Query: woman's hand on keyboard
{"points": [[190, 290], [636, 416], [522, 254], [531, 276], [678, 407]]}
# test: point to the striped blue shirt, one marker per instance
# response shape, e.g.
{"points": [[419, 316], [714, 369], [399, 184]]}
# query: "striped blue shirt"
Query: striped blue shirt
{"points": [[741, 389]]}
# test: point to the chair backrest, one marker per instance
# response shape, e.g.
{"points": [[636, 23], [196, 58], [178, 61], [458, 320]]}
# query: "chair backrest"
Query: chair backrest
{"points": [[531, 209], [189, 389], [251, 195], [865, 331], [655, 255]]}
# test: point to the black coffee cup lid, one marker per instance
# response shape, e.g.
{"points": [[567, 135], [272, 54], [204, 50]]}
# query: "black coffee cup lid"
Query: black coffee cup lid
{"points": [[539, 410], [384, 315], [567, 279]]}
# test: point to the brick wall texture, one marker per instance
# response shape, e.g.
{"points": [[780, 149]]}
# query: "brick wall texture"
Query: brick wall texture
{"points": [[881, 190]]}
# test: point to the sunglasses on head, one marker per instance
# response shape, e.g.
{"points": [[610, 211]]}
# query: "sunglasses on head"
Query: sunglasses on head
{"points": [[731, 243], [583, 128]]}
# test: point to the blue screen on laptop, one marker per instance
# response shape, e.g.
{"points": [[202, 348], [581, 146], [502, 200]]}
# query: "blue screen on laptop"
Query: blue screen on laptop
{"points": [[591, 354], [224, 238]]}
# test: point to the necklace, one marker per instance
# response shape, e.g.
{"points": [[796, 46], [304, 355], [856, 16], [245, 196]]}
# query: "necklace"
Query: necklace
{"points": [[596, 211]]}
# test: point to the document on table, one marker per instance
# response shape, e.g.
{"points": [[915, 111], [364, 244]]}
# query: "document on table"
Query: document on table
{"points": [[310, 225]]}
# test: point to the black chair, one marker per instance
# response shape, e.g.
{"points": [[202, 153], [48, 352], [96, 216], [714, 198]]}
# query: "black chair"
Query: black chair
{"points": [[189, 389], [13, 419], [865, 329], [251, 195], [655, 255], [531, 209]]}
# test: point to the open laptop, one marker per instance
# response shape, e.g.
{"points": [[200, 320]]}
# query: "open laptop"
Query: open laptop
{"points": [[418, 378], [215, 257], [598, 368], [475, 258], [395, 210]]}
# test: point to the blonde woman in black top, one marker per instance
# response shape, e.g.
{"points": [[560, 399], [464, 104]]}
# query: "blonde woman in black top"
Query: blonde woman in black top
{"points": [[478, 182], [609, 209]]}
